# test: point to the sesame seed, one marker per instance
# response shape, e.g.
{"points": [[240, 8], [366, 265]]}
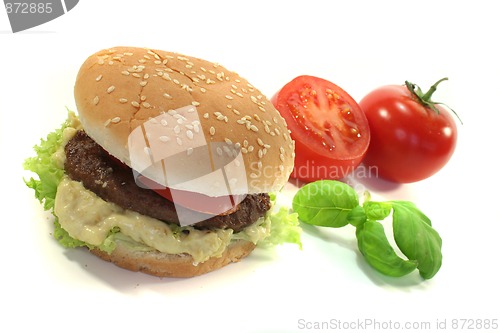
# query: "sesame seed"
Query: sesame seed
{"points": [[110, 89], [100, 61], [164, 138], [186, 87], [125, 72], [189, 134], [164, 122], [146, 76], [116, 120], [123, 100], [96, 100], [179, 141], [253, 175], [261, 143], [212, 130], [229, 97], [143, 83], [146, 105], [195, 103], [189, 151], [177, 129], [107, 122], [99, 78], [167, 96], [143, 98], [228, 141], [136, 104], [206, 115], [219, 151], [254, 128]]}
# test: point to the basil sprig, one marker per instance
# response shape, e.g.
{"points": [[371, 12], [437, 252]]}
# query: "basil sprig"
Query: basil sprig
{"points": [[329, 203]]}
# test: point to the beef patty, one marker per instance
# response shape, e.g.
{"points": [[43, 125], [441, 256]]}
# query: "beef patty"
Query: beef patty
{"points": [[88, 162]]}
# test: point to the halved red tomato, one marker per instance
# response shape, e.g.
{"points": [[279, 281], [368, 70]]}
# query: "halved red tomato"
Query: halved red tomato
{"points": [[330, 130]]}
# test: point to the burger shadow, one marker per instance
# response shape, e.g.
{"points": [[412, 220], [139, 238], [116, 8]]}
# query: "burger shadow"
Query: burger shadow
{"points": [[96, 269], [103, 273]]}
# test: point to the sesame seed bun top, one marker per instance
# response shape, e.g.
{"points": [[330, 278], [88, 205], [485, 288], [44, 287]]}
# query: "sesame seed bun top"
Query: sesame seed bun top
{"points": [[176, 119]]}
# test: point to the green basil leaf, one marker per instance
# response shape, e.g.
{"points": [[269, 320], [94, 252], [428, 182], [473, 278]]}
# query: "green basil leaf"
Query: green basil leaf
{"points": [[416, 238], [377, 210], [378, 253], [356, 216], [325, 203]]}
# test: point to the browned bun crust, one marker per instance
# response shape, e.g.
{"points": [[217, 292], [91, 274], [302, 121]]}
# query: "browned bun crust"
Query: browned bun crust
{"points": [[170, 265], [121, 88]]}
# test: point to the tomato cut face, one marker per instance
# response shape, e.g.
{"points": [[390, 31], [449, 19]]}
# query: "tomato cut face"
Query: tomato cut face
{"points": [[329, 128]]}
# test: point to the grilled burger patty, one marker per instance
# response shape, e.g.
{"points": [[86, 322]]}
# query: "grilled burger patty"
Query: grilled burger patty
{"points": [[89, 163]]}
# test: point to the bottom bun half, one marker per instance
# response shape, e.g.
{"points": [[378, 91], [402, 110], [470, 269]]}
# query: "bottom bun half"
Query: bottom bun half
{"points": [[172, 265]]}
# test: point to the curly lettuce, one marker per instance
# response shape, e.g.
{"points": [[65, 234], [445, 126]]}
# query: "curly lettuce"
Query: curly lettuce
{"points": [[50, 171]]}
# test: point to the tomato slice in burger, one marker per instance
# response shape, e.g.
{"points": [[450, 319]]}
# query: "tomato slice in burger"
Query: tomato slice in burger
{"points": [[330, 130], [199, 202]]}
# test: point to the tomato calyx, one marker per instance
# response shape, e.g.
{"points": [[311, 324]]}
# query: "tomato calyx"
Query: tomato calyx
{"points": [[425, 98]]}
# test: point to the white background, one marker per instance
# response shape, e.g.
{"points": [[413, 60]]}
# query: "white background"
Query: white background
{"points": [[358, 45]]}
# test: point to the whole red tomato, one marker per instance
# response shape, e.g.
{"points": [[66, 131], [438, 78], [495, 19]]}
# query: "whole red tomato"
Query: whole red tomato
{"points": [[330, 130], [412, 137]]}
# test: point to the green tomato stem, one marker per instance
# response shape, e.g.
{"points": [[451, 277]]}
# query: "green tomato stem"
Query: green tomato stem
{"points": [[425, 99], [427, 96]]}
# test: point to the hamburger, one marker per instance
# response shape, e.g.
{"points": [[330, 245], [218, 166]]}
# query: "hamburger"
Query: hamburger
{"points": [[170, 167]]}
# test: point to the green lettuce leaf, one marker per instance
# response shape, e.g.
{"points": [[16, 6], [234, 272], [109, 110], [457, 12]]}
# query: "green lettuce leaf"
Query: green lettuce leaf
{"points": [[49, 174], [285, 228]]}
